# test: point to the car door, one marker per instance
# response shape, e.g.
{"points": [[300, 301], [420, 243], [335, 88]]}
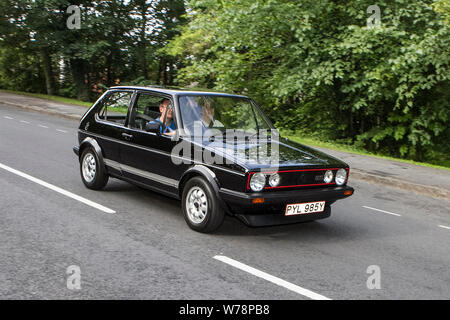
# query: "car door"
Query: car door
{"points": [[110, 121], [146, 156]]}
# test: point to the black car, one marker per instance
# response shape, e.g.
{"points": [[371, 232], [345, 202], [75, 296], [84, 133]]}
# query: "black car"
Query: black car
{"points": [[216, 152]]}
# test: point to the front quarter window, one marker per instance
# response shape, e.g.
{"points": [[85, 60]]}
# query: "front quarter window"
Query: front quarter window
{"points": [[115, 107]]}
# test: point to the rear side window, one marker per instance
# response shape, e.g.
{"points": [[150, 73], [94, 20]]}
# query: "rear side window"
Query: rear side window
{"points": [[115, 107]]}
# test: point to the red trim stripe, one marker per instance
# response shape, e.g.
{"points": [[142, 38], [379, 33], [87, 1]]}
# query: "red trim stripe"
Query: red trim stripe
{"points": [[299, 185]]}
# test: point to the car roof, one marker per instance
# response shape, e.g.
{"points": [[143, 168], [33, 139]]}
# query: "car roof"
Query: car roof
{"points": [[177, 91]]}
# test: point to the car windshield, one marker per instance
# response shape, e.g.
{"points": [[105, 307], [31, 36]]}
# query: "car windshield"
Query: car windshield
{"points": [[211, 115]]}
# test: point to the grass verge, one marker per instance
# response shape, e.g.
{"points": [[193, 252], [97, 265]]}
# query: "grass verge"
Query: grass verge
{"points": [[303, 140], [350, 149], [52, 98]]}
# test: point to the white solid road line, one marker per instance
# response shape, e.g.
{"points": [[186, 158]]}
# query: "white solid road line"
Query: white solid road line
{"points": [[57, 189], [445, 227], [270, 278], [394, 214]]}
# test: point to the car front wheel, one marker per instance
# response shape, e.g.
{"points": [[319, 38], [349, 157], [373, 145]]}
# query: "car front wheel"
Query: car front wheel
{"points": [[93, 172], [201, 207]]}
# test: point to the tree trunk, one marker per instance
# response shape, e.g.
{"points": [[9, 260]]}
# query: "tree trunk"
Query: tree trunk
{"points": [[109, 63], [162, 66], [143, 71], [78, 70], [48, 71], [143, 43]]}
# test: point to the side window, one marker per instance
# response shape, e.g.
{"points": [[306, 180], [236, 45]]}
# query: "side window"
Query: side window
{"points": [[115, 107], [146, 110]]}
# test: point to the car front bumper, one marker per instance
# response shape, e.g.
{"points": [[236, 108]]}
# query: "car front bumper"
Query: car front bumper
{"points": [[271, 211]]}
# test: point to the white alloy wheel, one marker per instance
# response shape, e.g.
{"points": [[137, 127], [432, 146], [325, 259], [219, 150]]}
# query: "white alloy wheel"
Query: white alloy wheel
{"points": [[196, 205], [89, 167]]}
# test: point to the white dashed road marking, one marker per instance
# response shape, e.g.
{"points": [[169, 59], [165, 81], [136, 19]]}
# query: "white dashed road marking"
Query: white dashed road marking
{"points": [[445, 227], [391, 213], [280, 282], [39, 125], [57, 189]]}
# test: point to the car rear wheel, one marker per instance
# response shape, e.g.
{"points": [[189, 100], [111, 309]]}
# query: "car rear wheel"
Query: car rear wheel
{"points": [[201, 207], [92, 171]]}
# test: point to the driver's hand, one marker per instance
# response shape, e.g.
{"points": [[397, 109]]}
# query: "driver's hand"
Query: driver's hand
{"points": [[170, 133]]}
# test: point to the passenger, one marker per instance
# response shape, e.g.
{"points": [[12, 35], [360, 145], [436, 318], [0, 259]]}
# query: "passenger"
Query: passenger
{"points": [[208, 115]]}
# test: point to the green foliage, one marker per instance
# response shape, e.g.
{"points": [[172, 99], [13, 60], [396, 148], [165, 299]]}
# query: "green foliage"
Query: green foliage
{"points": [[315, 66], [318, 69], [119, 41], [19, 70]]}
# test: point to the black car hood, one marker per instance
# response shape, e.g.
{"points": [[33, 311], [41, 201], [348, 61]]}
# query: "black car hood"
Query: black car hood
{"points": [[257, 155]]}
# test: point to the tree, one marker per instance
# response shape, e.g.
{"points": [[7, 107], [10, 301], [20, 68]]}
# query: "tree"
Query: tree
{"points": [[25, 25], [317, 66]]}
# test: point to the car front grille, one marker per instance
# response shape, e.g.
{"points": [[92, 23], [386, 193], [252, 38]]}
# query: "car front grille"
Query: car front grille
{"points": [[304, 178]]}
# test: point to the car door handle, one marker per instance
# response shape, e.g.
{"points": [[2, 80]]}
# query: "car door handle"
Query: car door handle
{"points": [[127, 136]]}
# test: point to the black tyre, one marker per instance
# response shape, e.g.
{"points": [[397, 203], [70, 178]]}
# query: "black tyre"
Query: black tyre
{"points": [[201, 208], [93, 172]]}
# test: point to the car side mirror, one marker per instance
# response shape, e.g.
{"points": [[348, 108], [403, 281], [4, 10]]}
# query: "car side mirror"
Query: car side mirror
{"points": [[153, 127]]}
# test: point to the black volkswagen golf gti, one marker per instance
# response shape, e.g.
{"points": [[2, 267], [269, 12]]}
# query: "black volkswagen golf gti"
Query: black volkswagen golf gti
{"points": [[216, 152]]}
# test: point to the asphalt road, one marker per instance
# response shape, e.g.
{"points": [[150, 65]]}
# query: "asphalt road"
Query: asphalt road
{"points": [[144, 250]]}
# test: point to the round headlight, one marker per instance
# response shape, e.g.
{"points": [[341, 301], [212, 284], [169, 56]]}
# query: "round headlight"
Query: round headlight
{"points": [[258, 181], [274, 179], [341, 176], [328, 177]]}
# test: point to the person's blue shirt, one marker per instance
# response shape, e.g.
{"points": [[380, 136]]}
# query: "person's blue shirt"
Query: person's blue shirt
{"points": [[167, 128]]}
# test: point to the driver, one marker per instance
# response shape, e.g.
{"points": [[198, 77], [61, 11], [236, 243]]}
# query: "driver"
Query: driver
{"points": [[166, 110]]}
